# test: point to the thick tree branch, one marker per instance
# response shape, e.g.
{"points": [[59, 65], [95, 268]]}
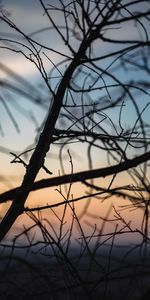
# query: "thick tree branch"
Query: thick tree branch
{"points": [[45, 139], [80, 176]]}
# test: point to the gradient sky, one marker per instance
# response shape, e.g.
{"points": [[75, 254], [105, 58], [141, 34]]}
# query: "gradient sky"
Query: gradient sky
{"points": [[28, 15]]}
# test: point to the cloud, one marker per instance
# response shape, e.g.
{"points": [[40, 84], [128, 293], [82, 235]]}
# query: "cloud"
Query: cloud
{"points": [[24, 67], [19, 65]]}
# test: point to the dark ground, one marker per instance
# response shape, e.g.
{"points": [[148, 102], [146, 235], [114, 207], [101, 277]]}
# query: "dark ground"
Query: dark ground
{"points": [[116, 273]]}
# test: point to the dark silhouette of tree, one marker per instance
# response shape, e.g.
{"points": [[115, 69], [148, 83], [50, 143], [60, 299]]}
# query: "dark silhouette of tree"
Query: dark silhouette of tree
{"points": [[97, 99]]}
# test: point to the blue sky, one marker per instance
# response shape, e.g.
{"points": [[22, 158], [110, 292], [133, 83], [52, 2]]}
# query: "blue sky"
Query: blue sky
{"points": [[28, 15]]}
